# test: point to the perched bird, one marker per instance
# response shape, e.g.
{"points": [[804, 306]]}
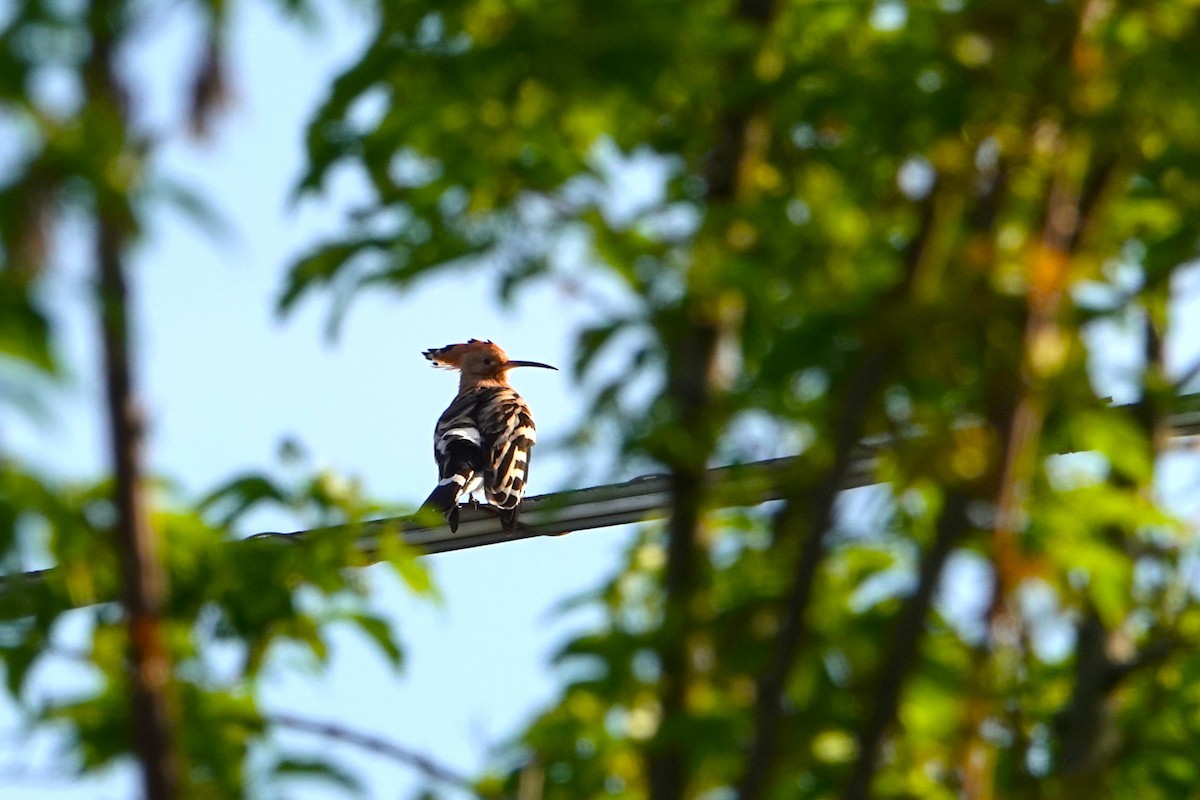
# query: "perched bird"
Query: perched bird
{"points": [[483, 440]]}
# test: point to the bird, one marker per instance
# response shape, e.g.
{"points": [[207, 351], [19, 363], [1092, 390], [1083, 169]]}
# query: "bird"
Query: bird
{"points": [[482, 441]]}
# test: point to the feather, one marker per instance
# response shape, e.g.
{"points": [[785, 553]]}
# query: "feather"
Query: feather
{"points": [[484, 440]]}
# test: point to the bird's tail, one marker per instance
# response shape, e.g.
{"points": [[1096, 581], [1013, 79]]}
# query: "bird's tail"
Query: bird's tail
{"points": [[445, 495], [444, 500], [462, 463]]}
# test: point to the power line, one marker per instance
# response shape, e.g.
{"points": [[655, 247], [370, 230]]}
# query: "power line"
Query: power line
{"points": [[643, 498]]}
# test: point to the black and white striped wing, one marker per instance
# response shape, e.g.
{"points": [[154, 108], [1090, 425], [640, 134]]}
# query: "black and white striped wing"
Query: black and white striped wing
{"points": [[509, 432], [460, 451]]}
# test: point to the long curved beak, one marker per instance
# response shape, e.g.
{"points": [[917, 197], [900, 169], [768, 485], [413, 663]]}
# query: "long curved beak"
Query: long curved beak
{"points": [[511, 364]]}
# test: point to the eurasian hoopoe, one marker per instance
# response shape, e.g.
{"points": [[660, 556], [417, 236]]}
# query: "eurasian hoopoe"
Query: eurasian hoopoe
{"points": [[483, 440]]}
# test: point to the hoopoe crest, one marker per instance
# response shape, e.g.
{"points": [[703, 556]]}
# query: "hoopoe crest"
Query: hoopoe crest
{"points": [[482, 442]]}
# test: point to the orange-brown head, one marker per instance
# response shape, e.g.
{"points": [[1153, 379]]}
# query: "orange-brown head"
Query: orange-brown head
{"points": [[478, 363]]}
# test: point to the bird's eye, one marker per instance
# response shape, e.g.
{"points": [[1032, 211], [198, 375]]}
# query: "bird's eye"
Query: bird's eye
{"points": [[487, 362]]}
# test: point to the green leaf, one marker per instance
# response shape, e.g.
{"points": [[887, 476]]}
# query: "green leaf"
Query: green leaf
{"points": [[24, 328], [380, 631], [234, 498], [318, 769], [1119, 439]]}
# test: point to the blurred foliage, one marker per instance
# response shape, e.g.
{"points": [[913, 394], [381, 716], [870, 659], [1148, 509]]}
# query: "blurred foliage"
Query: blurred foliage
{"points": [[231, 606], [789, 226], [801, 224], [74, 160]]}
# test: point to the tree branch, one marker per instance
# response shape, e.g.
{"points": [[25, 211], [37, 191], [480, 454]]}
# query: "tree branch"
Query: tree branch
{"points": [[909, 632], [142, 575], [692, 388], [421, 763], [864, 384], [143, 580], [768, 710], [1085, 726]]}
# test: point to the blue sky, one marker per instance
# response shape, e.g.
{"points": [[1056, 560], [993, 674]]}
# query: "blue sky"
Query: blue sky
{"points": [[225, 382]]}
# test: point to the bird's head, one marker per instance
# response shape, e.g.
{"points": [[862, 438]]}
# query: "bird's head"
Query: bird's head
{"points": [[478, 362]]}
